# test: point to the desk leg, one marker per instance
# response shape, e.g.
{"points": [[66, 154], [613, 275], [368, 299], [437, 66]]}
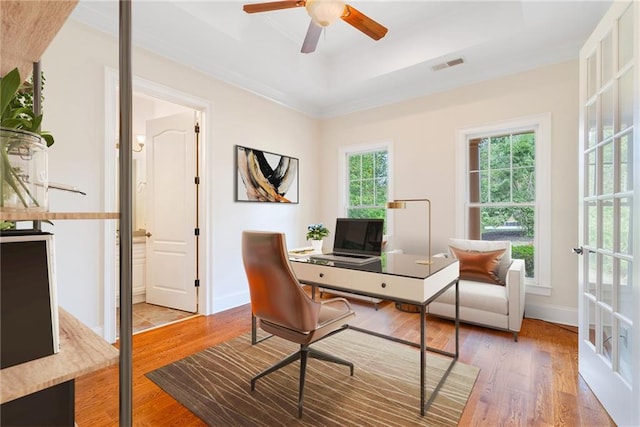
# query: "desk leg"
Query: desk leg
{"points": [[457, 317], [423, 357]]}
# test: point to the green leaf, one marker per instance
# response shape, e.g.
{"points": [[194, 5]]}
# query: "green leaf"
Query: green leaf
{"points": [[35, 123], [9, 85], [48, 138]]}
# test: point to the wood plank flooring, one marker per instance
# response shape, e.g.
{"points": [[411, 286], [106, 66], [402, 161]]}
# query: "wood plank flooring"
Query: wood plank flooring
{"points": [[532, 382]]}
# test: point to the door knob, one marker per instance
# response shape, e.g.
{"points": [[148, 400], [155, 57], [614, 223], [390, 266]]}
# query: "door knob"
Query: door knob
{"points": [[148, 234], [578, 251]]}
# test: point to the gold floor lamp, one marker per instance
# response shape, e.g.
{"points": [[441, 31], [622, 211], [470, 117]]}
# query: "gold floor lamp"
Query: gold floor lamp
{"points": [[402, 204]]}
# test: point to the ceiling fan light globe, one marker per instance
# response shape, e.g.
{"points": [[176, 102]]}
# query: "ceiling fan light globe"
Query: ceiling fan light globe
{"points": [[324, 12]]}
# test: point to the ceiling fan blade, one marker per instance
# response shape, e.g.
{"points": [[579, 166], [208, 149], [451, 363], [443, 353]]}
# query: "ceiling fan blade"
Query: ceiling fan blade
{"points": [[311, 39], [273, 5], [363, 23]]}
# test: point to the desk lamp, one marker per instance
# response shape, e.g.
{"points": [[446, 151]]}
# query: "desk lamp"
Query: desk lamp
{"points": [[402, 204]]}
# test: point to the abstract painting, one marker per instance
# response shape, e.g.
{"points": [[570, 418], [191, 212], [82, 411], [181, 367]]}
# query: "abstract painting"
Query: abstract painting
{"points": [[265, 177]]}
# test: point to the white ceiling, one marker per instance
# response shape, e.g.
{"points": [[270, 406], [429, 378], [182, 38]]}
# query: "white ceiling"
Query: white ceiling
{"points": [[349, 71]]}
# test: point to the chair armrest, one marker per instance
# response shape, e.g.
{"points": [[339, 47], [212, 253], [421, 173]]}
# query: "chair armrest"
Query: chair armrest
{"points": [[516, 293]]}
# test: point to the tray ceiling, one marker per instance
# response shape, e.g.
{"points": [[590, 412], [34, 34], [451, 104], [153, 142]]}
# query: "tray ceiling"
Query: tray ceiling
{"points": [[349, 71]]}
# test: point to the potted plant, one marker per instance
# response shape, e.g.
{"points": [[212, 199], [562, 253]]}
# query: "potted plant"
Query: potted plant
{"points": [[23, 148], [315, 233]]}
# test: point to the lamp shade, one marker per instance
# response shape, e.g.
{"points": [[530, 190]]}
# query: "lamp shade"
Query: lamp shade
{"points": [[396, 205], [324, 12]]}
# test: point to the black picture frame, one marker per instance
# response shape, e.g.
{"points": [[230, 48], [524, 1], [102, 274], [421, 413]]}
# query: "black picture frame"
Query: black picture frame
{"points": [[263, 176]]}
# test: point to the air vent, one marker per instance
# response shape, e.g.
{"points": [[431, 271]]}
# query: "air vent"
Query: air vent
{"points": [[448, 64]]}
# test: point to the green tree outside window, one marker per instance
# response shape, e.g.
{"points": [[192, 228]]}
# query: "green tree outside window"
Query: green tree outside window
{"points": [[368, 184]]}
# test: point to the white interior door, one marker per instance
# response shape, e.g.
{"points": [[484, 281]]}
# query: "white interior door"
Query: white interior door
{"points": [[609, 297], [171, 212]]}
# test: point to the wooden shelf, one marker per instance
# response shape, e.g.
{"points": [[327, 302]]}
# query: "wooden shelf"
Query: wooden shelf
{"points": [[27, 29], [81, 351], [42, 216]]}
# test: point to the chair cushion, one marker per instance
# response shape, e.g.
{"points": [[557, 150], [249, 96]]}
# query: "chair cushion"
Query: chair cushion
{"points": [[486, 245], [480, 296], [479, 266]]}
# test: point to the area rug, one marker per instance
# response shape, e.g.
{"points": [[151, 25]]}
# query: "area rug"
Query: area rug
{"points": [[384, 390]]}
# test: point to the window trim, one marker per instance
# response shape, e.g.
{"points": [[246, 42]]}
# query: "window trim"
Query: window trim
{"points": [[343, 152], [541, 125]]}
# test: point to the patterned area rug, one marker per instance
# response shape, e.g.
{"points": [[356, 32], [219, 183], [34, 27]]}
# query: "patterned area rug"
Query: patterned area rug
{"points": [[384, 391]]}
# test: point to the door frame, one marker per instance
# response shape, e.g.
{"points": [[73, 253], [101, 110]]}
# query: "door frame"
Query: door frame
{"points": [[164, 93]]}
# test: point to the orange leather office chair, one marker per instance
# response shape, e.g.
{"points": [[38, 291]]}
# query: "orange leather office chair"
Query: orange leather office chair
{"points": [[284, 309]]}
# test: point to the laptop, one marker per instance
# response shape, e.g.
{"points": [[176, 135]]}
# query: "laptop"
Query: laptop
{"points": [[356, 241]]}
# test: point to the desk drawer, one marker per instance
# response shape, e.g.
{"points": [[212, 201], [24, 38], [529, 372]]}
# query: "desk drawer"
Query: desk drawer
{"points": [[374, 284]]}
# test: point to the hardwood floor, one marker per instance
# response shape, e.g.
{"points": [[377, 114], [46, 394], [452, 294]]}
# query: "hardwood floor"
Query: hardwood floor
{"points": [[532, 382]]}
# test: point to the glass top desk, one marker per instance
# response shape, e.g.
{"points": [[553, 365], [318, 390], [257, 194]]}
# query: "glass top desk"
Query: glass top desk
{"points": [[397, 278]]}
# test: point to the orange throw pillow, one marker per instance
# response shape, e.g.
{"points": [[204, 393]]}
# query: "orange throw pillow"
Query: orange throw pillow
{"points": [[479, 266]]}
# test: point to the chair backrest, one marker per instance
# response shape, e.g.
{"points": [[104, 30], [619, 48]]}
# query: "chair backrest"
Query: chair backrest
{"points": [[276, 295]]}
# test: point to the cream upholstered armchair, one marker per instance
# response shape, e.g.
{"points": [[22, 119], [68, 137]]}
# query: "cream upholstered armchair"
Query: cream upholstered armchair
{"points": [[491, 286]]}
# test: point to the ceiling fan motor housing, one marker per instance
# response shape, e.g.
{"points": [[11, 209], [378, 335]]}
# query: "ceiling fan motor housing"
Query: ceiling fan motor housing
{"points": [[325, 12]]}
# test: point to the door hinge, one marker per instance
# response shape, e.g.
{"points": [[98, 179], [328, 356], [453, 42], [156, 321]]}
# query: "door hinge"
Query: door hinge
{"points": [[197, 283], [197, 180], [197, 128], [197, 231]]}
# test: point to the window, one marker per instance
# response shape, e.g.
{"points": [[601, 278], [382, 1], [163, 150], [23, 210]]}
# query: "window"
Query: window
{"points": [[506, 194], [366, 178], [502, 192]]}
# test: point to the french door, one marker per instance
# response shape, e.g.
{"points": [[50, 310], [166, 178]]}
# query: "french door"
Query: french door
{"points": [[609, 275]]}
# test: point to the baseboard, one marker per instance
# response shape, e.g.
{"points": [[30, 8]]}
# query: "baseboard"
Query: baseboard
{"points": [[231, 301], [552, 313], [135, 298], [98, 330]]}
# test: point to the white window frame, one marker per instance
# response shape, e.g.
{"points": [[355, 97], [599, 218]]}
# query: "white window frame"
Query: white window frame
{"points": [[541, 125], [343, 183]]}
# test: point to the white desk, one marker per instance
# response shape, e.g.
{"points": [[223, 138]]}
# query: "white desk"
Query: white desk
{"points": [[398, 278]]}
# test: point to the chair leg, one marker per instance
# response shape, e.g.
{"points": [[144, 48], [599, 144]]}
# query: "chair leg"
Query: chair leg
{"points": [[284, 362], [321, 355], [304, 353]]}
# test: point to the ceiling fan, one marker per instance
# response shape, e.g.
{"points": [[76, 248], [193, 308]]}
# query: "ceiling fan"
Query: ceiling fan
{"points": [[323, 13]]}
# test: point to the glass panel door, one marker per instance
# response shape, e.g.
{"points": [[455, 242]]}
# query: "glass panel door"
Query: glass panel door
{"points": [[608, 324]]}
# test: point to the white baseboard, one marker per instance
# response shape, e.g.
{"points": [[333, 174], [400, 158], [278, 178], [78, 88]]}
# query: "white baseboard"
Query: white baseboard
{"points": [[98, 330], [231, 301], [135, 298], [552, 313]]}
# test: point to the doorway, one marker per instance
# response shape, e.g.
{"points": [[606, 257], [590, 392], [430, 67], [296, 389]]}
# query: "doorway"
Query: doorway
{"points": [[164, 201], [156, 138]]}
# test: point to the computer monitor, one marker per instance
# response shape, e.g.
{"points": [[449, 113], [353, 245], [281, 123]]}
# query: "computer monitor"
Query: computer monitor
{"points": [[358, 236]]}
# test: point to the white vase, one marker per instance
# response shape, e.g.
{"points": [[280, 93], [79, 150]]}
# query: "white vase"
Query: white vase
{"points": [[317, 245]]}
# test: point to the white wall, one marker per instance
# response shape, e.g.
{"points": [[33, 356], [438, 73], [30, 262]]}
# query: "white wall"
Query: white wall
{"points": [[423, 134], [422, 131], [74, 67]]}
